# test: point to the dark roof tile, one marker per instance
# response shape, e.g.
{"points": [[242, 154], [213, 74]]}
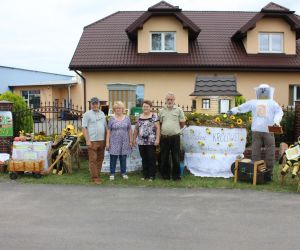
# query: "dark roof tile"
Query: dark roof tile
{"points": [[105, 45], [215, 86]]}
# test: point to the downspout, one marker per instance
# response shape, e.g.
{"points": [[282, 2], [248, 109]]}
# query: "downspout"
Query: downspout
{"points": [[84, 89]]}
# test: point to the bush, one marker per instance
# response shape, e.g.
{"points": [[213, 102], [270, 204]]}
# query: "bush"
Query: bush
{"points": [[288, 127], [20, 122], [239, 100]]}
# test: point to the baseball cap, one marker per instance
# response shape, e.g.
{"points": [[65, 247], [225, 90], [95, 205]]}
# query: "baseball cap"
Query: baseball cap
{"points": [[94, 100]]}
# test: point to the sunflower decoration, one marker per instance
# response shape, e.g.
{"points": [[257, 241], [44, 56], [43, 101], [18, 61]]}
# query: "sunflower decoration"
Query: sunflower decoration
{"points": [[224, 116], [230, 144], [250, 119], [232, 117], [208, 131], [201, 143], [217, 119], [239, 121]]}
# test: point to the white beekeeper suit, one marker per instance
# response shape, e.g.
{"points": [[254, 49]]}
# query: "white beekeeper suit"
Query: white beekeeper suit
{"points": [[265, 112]]}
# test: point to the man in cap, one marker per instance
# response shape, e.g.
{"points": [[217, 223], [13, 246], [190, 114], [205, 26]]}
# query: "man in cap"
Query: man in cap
{"points": [[94, 127]]}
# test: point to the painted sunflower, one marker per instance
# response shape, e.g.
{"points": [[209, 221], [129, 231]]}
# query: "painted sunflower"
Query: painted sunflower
{"points": [[239, 121]]}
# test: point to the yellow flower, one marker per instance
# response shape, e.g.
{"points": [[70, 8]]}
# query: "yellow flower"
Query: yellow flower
{"points": [[217, 119], [225, 116], [208, 131], [232, 117], [213, 157], [250, 118], [231, 125], [201, 143], [239, 121]]}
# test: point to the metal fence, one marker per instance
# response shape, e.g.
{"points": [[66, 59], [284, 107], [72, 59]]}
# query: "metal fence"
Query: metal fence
{"points": [[50, 118], [157, 105]]}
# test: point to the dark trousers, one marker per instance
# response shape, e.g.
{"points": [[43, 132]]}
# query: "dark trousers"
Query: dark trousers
{"points": [[268, 140], [147, 153], [170, 144]]}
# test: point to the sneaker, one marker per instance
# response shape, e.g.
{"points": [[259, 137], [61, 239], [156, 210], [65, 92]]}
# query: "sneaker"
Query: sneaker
{"points": [[125, 176], [111, 177]]}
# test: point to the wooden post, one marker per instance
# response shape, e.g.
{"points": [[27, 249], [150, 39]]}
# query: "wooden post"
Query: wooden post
{"points": [[236, 167]]}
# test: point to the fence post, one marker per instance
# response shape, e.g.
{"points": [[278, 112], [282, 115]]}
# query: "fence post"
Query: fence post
{"points": [[297, 119]]}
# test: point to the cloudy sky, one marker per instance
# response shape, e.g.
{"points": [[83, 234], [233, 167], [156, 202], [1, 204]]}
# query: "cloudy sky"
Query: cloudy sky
{"points": [[43, 34]]}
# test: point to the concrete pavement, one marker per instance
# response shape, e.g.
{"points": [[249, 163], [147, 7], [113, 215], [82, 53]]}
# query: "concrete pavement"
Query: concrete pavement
{"points": [[95, 217]]}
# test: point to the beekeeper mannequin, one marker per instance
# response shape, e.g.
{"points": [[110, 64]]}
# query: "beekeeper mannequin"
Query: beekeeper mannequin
{"points": [[265, 112]]}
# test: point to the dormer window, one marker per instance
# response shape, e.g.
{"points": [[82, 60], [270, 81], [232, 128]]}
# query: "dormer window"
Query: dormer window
{"points": [[162, 41], [271, 42]]}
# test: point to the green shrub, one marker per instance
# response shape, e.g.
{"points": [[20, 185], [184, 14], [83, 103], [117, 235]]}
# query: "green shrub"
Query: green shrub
{"points": [[239, 100], [288, 127], [22, 121]]}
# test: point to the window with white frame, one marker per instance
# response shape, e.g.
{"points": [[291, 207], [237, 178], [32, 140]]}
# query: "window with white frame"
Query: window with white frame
{"points": [[162, 41], [206, 103], [32, 98], [296, 94], [224, 106], [271, 42]]}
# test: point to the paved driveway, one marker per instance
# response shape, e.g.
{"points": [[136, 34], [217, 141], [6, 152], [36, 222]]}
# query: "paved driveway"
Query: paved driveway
{"points": [[95, 217]]}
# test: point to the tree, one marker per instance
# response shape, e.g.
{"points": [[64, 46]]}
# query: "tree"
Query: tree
{"points": [[22, 116]]}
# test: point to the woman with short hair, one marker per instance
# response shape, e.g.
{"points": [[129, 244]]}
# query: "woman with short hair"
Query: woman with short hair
{"points": [[119, 140], [147, 130]]}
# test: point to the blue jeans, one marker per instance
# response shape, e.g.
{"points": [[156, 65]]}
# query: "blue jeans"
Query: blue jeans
{"points": [[113, 163]]}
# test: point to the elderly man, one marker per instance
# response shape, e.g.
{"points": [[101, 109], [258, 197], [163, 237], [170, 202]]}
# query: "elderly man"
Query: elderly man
{"points": [[94, 127], [172, 120]]}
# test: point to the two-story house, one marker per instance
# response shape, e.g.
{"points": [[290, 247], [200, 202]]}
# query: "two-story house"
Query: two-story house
{"points": [[204, 57]]}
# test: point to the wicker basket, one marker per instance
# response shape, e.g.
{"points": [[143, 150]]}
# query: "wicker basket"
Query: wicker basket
{"points": [[19, 166], [29, 166], [41, 165], [11, 167]]}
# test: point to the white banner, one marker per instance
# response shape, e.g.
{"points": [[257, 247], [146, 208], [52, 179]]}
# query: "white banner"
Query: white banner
{"points": [[210, 151]]}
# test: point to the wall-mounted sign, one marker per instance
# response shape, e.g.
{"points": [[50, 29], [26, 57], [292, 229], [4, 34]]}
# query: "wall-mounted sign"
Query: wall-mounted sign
{"points": [[6, 123]]}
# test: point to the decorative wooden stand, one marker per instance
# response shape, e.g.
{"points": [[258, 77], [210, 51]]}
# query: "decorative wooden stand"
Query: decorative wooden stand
{"points": [[257, 165]]}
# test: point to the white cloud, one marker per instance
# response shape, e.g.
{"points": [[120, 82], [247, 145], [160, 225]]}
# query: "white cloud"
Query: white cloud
{"points": [[43, 35]]}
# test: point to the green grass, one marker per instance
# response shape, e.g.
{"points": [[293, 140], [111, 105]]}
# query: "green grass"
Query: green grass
{"points": [[81, 177]]}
